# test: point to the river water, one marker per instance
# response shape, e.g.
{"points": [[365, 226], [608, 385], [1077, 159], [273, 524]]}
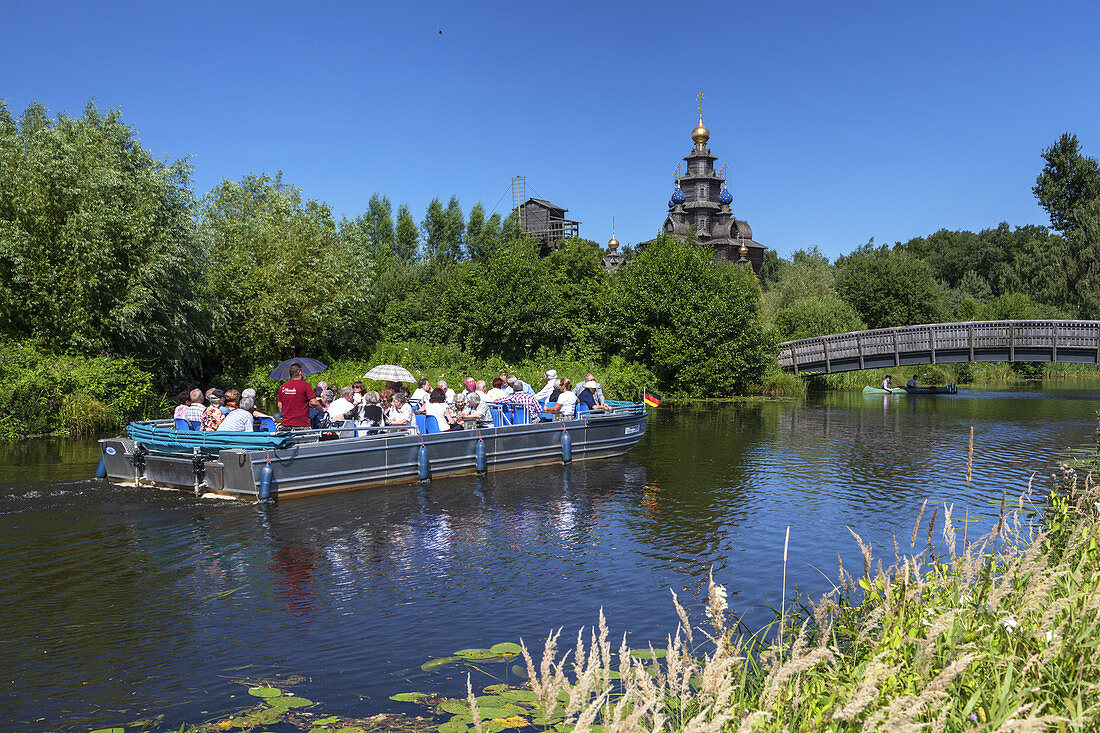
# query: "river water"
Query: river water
{"points": [[119, 603]]}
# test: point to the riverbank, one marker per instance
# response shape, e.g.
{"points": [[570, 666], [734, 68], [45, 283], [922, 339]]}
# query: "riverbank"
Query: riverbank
{"points": [[994, 633]]}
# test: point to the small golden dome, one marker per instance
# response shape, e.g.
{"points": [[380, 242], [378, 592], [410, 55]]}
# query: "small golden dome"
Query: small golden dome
{"points": [[613, 244], [744, 249], [700, 134]]}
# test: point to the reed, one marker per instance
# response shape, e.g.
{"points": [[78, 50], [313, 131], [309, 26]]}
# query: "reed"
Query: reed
{"points": [[997, 636]]}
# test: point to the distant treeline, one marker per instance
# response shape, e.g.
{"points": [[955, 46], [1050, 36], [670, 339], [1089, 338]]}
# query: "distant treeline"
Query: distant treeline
{"points": [[109, 252], [998, 273]]}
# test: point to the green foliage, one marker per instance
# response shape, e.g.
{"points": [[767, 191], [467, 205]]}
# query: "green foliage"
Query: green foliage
{"points": [[889, 287], [808, 274], [817, 317], [285, 284], [691, 321], [97, 241], [44, 393], [406, 236], [1067, 181]]}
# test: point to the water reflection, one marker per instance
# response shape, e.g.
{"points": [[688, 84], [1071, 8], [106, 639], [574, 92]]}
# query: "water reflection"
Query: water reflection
{"points": [[121, 600]]}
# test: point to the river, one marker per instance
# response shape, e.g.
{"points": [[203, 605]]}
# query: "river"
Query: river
{"points": [[120, 602]]}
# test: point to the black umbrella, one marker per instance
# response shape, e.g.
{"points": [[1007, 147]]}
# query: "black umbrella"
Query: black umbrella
{"points": [[309, 366]]}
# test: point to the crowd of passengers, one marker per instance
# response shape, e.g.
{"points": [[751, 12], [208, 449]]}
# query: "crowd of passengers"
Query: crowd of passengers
{"points": [[320, 407]]}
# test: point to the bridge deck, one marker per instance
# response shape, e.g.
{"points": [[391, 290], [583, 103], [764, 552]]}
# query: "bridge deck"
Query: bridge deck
{"points": [[1076, 342]]}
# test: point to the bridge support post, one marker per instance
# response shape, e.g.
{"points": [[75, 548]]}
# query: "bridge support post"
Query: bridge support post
{"points": [[828, 361], [1054, 348], [859, 347], [897, 351], [932, 343], [970, 338], [1012, 342]]}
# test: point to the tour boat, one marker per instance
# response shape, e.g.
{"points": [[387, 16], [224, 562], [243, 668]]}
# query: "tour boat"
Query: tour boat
{"points": [[266, 465], [945, 389]]}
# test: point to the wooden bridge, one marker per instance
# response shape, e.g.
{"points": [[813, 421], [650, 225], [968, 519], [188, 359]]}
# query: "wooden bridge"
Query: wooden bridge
{"points": [[1076, 342]]}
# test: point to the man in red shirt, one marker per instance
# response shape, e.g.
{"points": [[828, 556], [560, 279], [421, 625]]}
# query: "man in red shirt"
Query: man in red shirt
{"points": [[295, 397]]}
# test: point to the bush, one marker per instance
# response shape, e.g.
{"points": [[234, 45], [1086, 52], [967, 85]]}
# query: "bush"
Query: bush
{"points": [[43, 392], [809, 317]]}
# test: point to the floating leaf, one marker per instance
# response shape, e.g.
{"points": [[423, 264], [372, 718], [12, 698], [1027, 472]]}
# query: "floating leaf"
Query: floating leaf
{"points": [[452, 726], [489, 713], [455, 707], [497, 689], [289, 702], [648, 653], [327, 721], [476, 653], [491, 701], [409, 696], [265, 691], [109, 730], [513, 721], [519, 671], [506, 649], [519, 695], [429, 666]]}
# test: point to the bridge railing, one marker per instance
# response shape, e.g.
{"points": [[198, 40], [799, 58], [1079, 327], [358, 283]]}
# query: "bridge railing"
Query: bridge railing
{"points": [[855, 349]]}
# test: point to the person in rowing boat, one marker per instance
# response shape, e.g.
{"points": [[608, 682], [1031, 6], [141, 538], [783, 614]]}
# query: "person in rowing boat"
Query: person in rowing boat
{"points": [[912, 383], [886, 383]]}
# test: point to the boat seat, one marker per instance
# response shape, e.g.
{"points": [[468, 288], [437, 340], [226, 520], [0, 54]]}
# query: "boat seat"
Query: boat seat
{"points": [[181, 424], [431, 424], [497, 414], [267, 425], [195, 424], [421, 423]]}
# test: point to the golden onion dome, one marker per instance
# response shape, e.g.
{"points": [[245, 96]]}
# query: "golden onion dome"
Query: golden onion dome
{"points": [[613, 244], [700, 134]]}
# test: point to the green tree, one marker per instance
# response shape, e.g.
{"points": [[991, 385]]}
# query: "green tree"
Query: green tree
{"points": [[483, 236], [406, 236], [810, 317], [578, 277], [443, 231], [97, 241], [808, 274], [691, 320], [1067, 181], [286, 285], [889, 287]]}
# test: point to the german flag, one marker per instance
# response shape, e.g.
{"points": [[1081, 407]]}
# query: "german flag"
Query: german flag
{"points": [[651, 398]]}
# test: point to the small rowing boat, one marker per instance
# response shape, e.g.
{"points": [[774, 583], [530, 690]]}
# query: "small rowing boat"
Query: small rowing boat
{"points": [[944, 389]]}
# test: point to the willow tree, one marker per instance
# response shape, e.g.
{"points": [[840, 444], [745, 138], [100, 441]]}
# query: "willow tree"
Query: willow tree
{"points": [[97, 241]]}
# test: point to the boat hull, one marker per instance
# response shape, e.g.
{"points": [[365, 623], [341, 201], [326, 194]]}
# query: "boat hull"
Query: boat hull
{"points": [[946, 389], [316, 467]]}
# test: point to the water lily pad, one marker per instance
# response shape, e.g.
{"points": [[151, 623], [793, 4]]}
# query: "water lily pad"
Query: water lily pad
{"points": [[491, 701], [409, 697], [430, 665], [506, 649], [520, 671], [476, 653], [648, 653], [497, 689], [490, 713], [291, 701], [512, 721], [327, 721], [265, 691], [452, 726], [518, 695], [109, 730], [455, 707]]}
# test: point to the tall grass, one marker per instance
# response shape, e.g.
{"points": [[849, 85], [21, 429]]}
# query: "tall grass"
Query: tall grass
{"points": [[1000, 633]]}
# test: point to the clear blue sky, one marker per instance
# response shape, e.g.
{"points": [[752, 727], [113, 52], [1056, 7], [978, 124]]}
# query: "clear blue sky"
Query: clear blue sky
{"points": [[839, 121]]}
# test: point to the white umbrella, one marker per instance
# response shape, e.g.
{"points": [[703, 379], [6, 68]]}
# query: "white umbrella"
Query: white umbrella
{"points": [[390, 373]]}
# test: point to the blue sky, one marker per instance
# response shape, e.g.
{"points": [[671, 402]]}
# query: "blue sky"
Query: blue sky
{"points": [[839, 121]]}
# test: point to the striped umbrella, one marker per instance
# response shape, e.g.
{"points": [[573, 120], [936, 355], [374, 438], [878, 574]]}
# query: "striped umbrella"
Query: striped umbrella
{"points": [[390, 373], [309, 366]]}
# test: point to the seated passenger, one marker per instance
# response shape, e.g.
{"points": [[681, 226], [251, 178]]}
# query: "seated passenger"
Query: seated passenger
{"points": [[566, 404], [357, 388], [470, 385], [518, 385], [400, 413], [580, 388], [912, 382], [342, 405], [423, 389], [318, 416], [458, 411], [548, 389], [448, 393], [184, 399], [479, 408], [370, 412], [249, 392], [436, 409], [480, 391], [589, 396], [240, 420], [213, 416], [497, 393], [524, 399], [196, 408]]}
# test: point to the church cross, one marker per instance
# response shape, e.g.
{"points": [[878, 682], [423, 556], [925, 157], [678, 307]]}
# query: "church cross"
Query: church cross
{"points": [[700, 98]]}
